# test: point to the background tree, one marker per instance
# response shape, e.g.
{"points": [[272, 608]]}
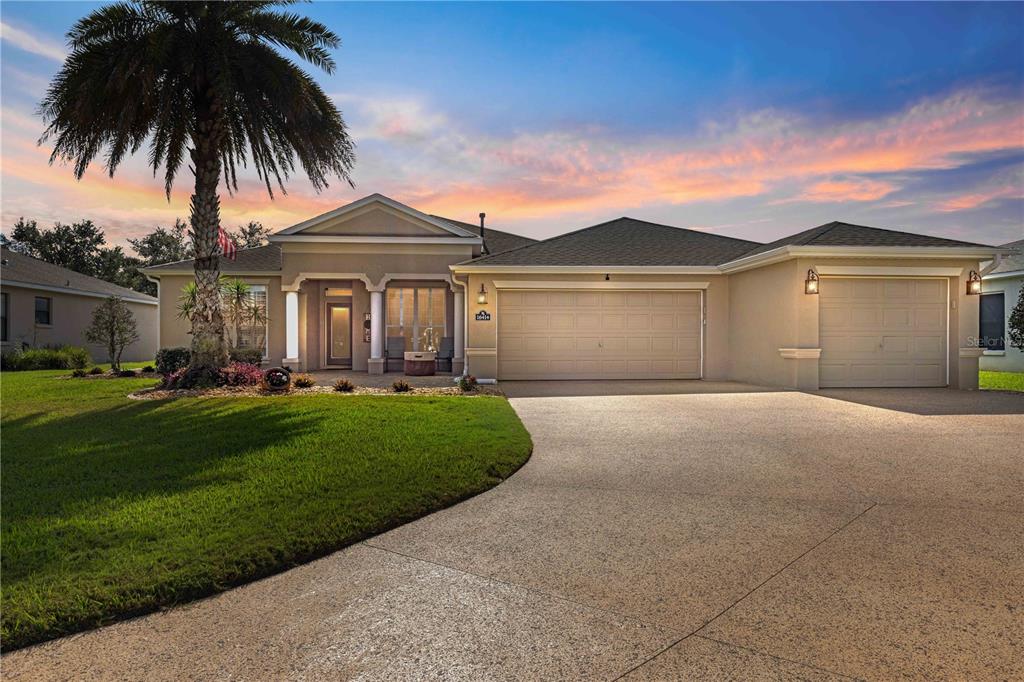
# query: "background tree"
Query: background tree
{"points": [[1015, 323], [81, 247], [163, 245], [113, 326], [206, 79], [250, 236]]}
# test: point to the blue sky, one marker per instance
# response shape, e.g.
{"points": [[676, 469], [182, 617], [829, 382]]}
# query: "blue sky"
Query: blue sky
{"points": [[753, 120]]}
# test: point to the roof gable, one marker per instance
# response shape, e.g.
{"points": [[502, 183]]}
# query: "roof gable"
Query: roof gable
{"points": [[375, 216]]}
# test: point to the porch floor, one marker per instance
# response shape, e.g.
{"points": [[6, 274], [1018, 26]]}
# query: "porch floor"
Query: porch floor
{"points": [[326, 377]]}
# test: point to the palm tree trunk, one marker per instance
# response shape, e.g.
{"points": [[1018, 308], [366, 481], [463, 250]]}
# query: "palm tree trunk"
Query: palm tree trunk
{"points": [[209, 351]]}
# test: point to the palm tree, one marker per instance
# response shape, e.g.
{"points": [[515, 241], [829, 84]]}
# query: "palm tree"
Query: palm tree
{"points": [[206, 78], [236, 297]]}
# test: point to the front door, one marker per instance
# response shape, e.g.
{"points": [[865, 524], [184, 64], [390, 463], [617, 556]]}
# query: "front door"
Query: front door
{"points": [[339, 334]]}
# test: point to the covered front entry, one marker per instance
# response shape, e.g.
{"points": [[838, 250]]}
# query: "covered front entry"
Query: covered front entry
{"points": [[883, 332], [599, 334], [339, 334]]}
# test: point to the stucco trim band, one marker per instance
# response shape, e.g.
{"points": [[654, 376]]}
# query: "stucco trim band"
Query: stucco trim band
{"points": [[800, 353], [607, 284]]}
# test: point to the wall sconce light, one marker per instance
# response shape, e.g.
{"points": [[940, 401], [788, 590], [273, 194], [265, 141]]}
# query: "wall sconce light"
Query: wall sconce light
{"points": [[973, 283], [811, 283], [607, 277], [481, 296]]}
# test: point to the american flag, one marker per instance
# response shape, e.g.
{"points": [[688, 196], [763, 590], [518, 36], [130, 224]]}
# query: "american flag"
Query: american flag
{"points": [[227, 245]]}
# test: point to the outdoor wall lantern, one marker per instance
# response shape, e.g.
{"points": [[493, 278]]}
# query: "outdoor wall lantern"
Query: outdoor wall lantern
{"points": [[481, 296], [973, 283], [811, 283]]}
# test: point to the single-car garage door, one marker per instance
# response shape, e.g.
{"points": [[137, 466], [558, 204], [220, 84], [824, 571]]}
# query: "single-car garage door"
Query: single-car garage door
{"points": [[882, 332], [599, 334]]}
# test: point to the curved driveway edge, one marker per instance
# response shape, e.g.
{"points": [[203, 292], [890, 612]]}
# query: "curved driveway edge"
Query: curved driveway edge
{"points": [[661, 530]]}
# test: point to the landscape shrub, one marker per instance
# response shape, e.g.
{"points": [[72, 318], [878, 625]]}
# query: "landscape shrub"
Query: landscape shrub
{"points": [[65, 357], [344, 386], [250, 356], [240, 374], [149, 369], [96, 370], [303, 380], [467, 383], [76, 357], [10, 359], [78, 373], [126, 373], [170, 360], [173, 379], [401, 386]]}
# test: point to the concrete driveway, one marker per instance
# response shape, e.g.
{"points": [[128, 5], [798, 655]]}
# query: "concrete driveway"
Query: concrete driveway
{"points": [[661, 530]]}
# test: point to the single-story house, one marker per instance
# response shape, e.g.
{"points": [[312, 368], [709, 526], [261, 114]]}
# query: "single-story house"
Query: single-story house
{"points": [[1000, 292], [46, 305], [836, 305]]}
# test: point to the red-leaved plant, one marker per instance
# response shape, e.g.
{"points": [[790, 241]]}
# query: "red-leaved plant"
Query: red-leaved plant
{"points": [[239, 374]]}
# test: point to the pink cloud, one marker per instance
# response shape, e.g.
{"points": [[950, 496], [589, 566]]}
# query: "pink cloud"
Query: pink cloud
{"points": [[423, 157]]}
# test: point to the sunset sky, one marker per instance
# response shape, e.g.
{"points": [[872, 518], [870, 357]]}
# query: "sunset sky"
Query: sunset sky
{"points": [[747, 120]]}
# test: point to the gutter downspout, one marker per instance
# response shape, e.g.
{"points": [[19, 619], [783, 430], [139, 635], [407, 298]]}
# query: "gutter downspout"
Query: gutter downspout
{"points": [[991, 266]]}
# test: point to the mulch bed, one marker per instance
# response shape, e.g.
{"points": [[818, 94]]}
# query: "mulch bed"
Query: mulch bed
{"points": [[257, 392]]}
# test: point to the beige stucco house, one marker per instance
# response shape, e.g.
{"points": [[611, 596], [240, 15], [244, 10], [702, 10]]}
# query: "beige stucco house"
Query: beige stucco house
{"points": [[837, 305], [42, 304]]}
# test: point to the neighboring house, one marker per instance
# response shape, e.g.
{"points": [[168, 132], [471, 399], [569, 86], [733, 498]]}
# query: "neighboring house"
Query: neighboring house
{"points": [[47, 305], [625, 299], [1001, 289]]}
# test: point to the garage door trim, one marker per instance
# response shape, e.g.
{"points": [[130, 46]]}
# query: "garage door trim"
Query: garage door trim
{"points": [[699, 288], [840, 272]]}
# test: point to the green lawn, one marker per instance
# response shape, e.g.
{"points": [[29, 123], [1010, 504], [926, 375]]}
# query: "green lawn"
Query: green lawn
{"points": [[1001, 381], [113, 507]]}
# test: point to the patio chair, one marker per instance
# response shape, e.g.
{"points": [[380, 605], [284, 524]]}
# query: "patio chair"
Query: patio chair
{"points": [[394, 352], [445, 353]]}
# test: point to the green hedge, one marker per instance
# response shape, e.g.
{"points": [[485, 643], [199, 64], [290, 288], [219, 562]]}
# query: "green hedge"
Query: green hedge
{"points": [[65, 357]]}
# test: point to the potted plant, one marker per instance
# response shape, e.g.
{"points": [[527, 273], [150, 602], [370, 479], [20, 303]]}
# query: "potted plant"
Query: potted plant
{"points": [[277, 379]]}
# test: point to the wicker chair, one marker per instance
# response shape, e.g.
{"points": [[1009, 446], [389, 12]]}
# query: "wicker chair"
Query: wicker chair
{"points": [[394, 352], [445, 354]]}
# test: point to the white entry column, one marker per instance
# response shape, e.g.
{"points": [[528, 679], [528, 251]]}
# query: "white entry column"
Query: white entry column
{"points": [[458, 359], [376, 362], [291, 322]]}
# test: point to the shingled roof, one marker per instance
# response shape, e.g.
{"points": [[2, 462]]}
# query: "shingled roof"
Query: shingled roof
{"points": [[1013, 262], [496, 241], [17, 268], [845, 234], [260, 259], [626, 241]]}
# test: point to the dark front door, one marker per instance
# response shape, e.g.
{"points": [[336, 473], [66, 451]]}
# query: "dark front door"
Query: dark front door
{"points": [[339, 334]]}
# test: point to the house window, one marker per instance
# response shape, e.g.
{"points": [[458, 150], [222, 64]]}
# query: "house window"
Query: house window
{"points": [[43, 310], [3, 317], [992, 320], [418, 315], [252, 331]]}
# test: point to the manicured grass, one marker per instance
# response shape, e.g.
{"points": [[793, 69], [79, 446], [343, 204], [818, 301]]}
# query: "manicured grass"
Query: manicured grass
{"points": [[113, 507], [1001, 381]]}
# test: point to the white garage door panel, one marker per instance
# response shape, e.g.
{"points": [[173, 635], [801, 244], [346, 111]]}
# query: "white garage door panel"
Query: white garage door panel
{"points": [[599, 335], [882, 332]]}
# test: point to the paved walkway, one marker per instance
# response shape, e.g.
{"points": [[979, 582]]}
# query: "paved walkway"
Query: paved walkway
{"points": [[661, 530]]}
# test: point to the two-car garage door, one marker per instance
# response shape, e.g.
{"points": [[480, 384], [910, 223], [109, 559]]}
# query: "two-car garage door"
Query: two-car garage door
{"points": [[883, 332], [599, 334]]}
